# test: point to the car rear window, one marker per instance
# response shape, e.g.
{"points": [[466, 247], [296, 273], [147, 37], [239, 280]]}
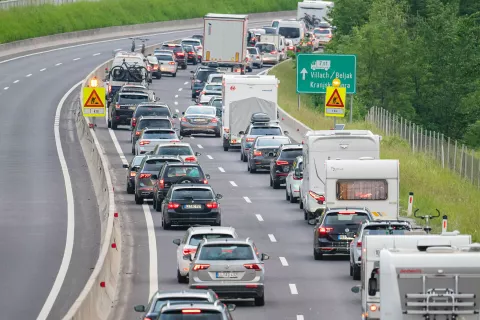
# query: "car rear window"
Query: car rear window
{"points": [[191, 43], [345, 217], [152, 60], [265, 47], [155, 123], [200, 110], [185, 171], [202, 75], [204, 315], [152, 111], [151, 134], [289, 32], [272, 142], [132, 99], [321, 31], [174, 151], [267, 131], [226, 252], [164, 57], [161, 302], [291, 153], [362, 190], [154, 164], [190, 193], [196, 238], [213, 87], [216, 80]]}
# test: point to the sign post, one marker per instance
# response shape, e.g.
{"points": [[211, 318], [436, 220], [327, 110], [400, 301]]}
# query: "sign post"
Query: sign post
{"points": [[93, 104]]}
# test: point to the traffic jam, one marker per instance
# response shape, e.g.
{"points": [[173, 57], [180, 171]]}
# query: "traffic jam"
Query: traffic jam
{"points": [[346, 193]]}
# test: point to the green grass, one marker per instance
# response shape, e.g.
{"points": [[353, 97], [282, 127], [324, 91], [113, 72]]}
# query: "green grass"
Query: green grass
{"points": [[35, 21], [433, 186]]}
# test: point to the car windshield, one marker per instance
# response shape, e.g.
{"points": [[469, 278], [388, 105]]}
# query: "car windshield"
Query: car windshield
{"points": [[266, 131], [132, 99], [264, 47], [217, 103], [152, 59], [159, 135], [272, 142], [321, 31], [202, 75], [291, 153], [345, 217], [152, 111], [174, 151], [191, 43], [213, 87], [289, 32], [191, 193], [155, 123], [226, 252], [200, 110], [186, 171], [204, 315], [154, 164], [164, 57], [196, 238], [252, 50], [161, 302]]}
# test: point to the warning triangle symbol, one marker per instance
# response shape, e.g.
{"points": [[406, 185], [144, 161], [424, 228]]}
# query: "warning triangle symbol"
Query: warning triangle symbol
{"points": [[94, 100], [335, 100]]}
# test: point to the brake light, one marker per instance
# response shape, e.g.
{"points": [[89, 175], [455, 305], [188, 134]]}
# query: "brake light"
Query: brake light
{"points": [[329, 36], [373, 308], [133, 174], [161, 184], [252, 266], [359, 244], [173, 205], [144, 142], [281, 162], [291, 48], [174, 140], [250, 139], [137, 133], [155, 67], [117, 106], [149, 68], [180, 54], [189, 251], [191, 52], [192, 311], [145, 175], [257, 153], [317, 197], [190, 159], [212, 205], [273, 52], [324, 231], [183, 119], [214, 120], [147, 318], [172, 63], [237, 70], [347, 212], [205, 181], [200, 267], [134, 122]]}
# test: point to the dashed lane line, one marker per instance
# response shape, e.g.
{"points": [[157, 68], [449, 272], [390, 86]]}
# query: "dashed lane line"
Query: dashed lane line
{"points": [[272, 237], [16, 81], [186, 82], [283, 261], [76, 59], [177, 111], [209, 157], [41, 70], [233, 183], [200, 146], [96, 54], [247, 199], [28, 75], [6, 88], [221, 169], [259, 217], [293, 288], [176, 96], [176, 103], [180, 89], [58, 64]]}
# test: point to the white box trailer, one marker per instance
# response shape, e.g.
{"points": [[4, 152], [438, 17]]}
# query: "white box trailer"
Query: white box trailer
{"points": [[413, 241], [367, 182], [441, 283], [225, 39], [319, 9], [323, 145], [240, 88]]}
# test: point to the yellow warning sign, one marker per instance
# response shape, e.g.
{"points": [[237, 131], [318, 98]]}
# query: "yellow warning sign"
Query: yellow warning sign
{"points": [[335, 102], [93, 102]]}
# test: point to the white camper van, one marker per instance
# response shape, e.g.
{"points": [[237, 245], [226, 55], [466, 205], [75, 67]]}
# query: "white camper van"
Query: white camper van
{"points": [[319, 9], [323, 145], [374, 184], [413, 241], [440, 283], [292, 30]]}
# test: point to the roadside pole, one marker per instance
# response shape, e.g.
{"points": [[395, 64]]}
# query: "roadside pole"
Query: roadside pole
{"points": [[298, 101], [351, 109]]}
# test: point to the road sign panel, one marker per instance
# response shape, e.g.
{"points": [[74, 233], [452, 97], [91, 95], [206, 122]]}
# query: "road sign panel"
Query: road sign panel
{"points": [[93, 104], [335, 102], [315, 72]]}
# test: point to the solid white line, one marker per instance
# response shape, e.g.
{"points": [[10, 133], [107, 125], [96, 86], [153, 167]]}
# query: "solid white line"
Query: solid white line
{"points": [[41, 70], [117, 146], [16, 81], [117, 49], [152, 250], [76, 59], [176, 96], [176, 103], [209, 157], [180, 89], [233, 183], [58, 64], [259, 217], [186, 82], [177, 111], [300, 317], [28, 75], [293, 288], [199, 146], [67, 254], [96, 54], [284, 261], [272, 238], [221, 169], [192, 137], [6, 88], [247, 199]]}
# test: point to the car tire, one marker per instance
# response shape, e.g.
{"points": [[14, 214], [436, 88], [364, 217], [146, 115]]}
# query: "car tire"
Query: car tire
{"points": [[195, 62], [252, 170], [174, 74], [114, 125], [305, 214], [276, 184], [245, 158], [241, 155], [271, 181], [287, 196], [138, 200], [300, 204], [133, 150], [260, 301], [159, 206], [218, 224], [130, 190], [317, 255], [180, 278], [184, 67], [109, 123], [165, 225], [356, 272], [292, 198], [225, 148], [217, 134], [351, 269]]}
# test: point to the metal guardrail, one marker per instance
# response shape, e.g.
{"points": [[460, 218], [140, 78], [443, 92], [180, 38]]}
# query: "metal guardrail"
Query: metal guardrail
{"points": [[5, 5]]}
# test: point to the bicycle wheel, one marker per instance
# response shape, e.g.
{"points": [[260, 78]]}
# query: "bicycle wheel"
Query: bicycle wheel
{"points": [[118, 73]]}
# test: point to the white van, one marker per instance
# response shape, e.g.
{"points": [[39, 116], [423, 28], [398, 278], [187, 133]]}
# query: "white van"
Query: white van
{"points": [[292, 29], [323, 145]]}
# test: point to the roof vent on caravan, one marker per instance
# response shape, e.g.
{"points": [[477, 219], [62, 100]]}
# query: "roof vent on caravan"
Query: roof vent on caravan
{"points": [[423, 245], [440, 249]]}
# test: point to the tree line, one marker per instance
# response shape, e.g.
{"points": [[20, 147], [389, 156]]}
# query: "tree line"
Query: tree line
{"points": [[417, 58]]}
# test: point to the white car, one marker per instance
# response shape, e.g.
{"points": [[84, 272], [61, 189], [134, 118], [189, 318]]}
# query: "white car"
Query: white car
{"points": [[149, 138], [294, 180], [323, 35], [255, 56], [269, 52], [197, 44], [189, 243], [167, 63]]}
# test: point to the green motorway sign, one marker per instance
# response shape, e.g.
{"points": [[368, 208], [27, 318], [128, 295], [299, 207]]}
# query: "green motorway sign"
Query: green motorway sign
{"points": [[315, 72]]}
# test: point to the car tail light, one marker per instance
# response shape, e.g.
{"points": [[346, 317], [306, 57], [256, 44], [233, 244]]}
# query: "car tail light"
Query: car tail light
{"points": [[180, 54], [317, 197], [373, 308], [281, 162], [252, 266], [191, 52], [134, 122], [133, 174], [212, 205], [189, 251], [117, 106], [237, 70], [329, 36], [147, 318], [273, 52], [109, 88], [155, 67], [149, 68], [161, 184], [200, 267], [173, 205], [322, 231], [359, 244], [205, 181], [257, 153], [191, 311], [214, 120], [145, 175], [174, 140], [183, 119], [137, 133], [291, 48], [250, 139], [190, 159], [144, 142], [172, 63]]}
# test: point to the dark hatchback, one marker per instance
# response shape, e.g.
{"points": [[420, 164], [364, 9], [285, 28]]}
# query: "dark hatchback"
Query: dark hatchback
{"points": [[132, 168], [280, 166], [192, 54], [152, 122], [151, 109], [123, 106], [173, 173], [336, 229], [147, 175], [199, 78], [179, 54], [191, 204], [263, 150]]}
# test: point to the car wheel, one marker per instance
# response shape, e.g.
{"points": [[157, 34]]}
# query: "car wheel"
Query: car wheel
{"points": [[251, 169], [158, 76], [300, 203], [218, 224], [195, 62], [174, 75], [271, 181], [165, 225], [287, 196], [109, 123], [259, 302], [317, 255], [184, 67], [356, 272], [305, 214], [180, 278], [159, 206], [225, 148], [245, 158], [217, 134], [114, 125], [351, 268], [130, 190], [241, 155], [138, 200], [276, 184], [133, 150]]}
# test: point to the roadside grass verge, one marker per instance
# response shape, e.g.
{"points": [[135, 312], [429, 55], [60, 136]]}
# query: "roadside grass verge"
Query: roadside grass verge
{"points": [[433, 186], [35, 21]]}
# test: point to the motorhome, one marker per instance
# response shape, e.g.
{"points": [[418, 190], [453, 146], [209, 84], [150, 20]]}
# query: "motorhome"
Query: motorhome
{"points": [[323, 145], [373, 243], [292, 29], [365, 182], [238, 91], [319, 9], [439, 283]]}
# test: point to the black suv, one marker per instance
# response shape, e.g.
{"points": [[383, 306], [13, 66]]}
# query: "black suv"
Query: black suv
{"points": [[151, 109], [173, 173], [192, 54], [280, 165], [122, 107], [199, 77], [178, 52]]}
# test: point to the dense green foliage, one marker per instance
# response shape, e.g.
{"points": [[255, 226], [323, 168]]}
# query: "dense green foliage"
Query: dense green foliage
{"points": [[418, 58], [28, 22]]}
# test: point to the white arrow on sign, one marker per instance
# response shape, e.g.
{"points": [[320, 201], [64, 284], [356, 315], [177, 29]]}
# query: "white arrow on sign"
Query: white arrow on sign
{"points": [[303, 72]]}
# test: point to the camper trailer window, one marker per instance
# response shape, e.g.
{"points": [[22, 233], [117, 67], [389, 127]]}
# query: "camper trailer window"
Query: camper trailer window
{"points": [[362, 190]]}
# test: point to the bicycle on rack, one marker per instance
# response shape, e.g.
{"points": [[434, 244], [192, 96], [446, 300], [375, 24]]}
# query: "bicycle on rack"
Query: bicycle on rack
{"points": [[129, 72], [427, 219], [143, 45], [142, 50]]}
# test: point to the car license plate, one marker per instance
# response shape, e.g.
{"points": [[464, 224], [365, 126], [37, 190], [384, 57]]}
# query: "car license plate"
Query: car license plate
{"points": [[343, 237], [192, 206], [199, 120], [226, 275], [132, 107]]}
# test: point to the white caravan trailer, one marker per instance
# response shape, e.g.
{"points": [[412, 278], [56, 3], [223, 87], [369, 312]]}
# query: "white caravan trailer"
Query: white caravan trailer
{"points": [[323, 145], [372, 244], [441, 283], [319, 9], [374, 184]]}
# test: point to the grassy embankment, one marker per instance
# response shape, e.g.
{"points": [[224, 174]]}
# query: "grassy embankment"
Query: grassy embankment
{"points": [[433, 186], [35, 21]]}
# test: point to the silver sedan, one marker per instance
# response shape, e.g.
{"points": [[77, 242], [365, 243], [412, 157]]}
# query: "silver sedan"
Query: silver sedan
{"points": [[200, 119]]}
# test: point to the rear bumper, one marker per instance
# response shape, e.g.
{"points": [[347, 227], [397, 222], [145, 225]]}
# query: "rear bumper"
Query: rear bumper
{"points": [[145, 193], [328, 247], [260, 163], [192, 218], [207, 128], [232, 291]]}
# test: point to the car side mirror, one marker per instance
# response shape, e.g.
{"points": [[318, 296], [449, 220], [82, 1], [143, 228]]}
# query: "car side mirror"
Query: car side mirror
{"points": [[154, 176], [183, 113], [125, 166], [286, 132], [241, 132], [219, 196], [231, 307], [139, 308], [265, 256], [187, 257], [207, 176], [355, 289], [372, 286], [191, 71], [175, 116], [177, 242], [198, 154]]}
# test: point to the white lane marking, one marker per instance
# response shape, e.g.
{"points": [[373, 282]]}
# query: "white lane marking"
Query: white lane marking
{"points": [[300, 317], [293, 288], [16, 81], [67, 254], [176, 103], [76, 59], [209, 157], [272, 237], [152, 250], [177, 111], [176, 96], [233, 183], [117, 146], [284, 261], [180, 89], [259, 217], [58, 64], [28, 75], [247, 199], [117, 49], [186, 82], [221, 169], [6, 88], [200, 147], [41, 70], [96, 54], [192, 137]]}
